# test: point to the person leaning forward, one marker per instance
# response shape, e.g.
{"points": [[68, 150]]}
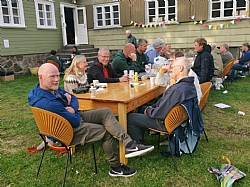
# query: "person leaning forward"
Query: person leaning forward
{"points": [[89, 126]]}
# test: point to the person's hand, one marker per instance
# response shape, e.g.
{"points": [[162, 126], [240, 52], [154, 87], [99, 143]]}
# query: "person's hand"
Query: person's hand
{"points": [[68, 98], [164, 69], [236, 62], [70, 109], [132, 56], [145, 111], [123, 78]]}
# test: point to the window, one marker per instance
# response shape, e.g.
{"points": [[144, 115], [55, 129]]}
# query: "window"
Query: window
{"points": [[45, 16], [161, 10], [11, 13], [107, 15], [227, 8]]}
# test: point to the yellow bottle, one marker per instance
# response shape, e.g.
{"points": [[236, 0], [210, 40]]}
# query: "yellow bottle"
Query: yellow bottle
{"points": [[136, 77]]}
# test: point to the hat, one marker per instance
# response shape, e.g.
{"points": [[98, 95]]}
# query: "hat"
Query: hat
{"points": [[246, 44], [159, 43]]}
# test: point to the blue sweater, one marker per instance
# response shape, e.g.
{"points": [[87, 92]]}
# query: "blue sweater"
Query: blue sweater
{"points": [[244, 58], [56, 103]]}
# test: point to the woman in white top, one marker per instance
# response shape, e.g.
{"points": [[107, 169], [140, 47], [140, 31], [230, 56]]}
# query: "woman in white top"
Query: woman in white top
{"points": [[75, 76]]}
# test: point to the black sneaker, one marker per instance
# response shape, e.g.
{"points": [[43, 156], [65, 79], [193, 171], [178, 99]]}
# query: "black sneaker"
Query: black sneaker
{"points": [[122, 171], [137, 150], [241, 74]]}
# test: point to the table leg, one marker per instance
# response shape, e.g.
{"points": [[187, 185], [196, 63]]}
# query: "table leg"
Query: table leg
{"points": [[122, 113]]}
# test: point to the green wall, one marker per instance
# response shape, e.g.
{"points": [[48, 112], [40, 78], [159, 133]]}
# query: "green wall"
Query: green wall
{"points": [[31, 40]]}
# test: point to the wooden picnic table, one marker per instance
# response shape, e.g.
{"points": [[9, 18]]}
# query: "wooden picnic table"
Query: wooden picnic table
{"points": [[121, 99]]}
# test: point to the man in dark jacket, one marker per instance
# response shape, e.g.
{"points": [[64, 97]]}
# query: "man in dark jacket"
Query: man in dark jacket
{"points": [[101, 69], [130, 38], [125, 60], [141, 58], [204, 63], [181, 92]]}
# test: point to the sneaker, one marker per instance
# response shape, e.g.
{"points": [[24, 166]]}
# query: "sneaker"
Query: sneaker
{"points": [[138, 150], [122, 171], [241, 74], [164, 142]]}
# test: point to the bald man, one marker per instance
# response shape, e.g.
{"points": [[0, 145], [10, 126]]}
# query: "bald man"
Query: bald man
{"points": [[125, 60], [89, 126]]}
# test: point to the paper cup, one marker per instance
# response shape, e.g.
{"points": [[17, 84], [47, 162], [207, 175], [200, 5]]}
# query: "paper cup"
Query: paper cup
{"points": [[96, 83], [152, 80], [92, 92]]}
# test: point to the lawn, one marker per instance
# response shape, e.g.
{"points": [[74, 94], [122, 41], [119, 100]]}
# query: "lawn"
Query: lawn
{"points": [[228, 133]]}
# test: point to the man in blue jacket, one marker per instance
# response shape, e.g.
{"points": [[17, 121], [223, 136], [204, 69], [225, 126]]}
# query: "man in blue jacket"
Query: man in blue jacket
{"points": [[204, 63], [89, 126], [242, 63], [179, 93]]}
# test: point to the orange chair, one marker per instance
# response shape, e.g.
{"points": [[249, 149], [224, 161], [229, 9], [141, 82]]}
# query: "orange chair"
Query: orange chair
{"points": [[54, 63], [55, 126], [176, 116], [205, 89], [226, 70]]}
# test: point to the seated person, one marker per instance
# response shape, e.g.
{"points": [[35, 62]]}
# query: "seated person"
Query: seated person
{"points": [[154, 50], [88, 126], [125, 60], [182, 92], [101, 69], [55, 59], [163, 78], [241, 62], [166, 51], [204, 63], [75, 52], [75, 75], [141, 58], [226, 55], [218, 65]]}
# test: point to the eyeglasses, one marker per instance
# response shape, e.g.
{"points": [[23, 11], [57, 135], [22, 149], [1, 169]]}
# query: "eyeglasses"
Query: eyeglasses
{"points": [[105, 56], [172, 67]]}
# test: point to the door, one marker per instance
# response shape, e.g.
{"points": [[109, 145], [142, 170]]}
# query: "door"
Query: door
{"points": [[63, 22], [81, 27]]}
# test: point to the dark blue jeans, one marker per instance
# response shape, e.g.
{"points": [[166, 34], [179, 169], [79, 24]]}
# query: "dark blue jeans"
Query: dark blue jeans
{"points": [[235, 67]]}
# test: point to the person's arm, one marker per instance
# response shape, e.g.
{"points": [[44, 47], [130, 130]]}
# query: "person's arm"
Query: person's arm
{"points": [[162, 79], [204, 68], [135, 42], [97, 74], [245, 58], [150, 56], [119, 65], [170, 99]]}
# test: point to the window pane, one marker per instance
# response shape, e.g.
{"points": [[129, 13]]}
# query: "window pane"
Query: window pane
{"points": [[40, 7], [48, 14], [171, 10], [215, 14], [41, 21], [161, 10], [99, 16], [171, 17], [151, 19], [228, 4], [228, 13], [5, 11], [49, 22], [151, 4], [99, 10], [116, 21], [216, 6], [41, 15], [48, 8], [171, 2], [161, 18], [108, 22], [107, 9], [80, 16], [107, 15], [99, 23], [6, 19], [116, 15], [14, 3], [15, 12], [152, 12], [16, 20], [161, 3], [241, 3], [115, 8], [4, 2]]}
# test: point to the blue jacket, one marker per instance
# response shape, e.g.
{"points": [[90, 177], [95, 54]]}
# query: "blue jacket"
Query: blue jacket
{"points": [[151, 54], [245, 57], [56, 103]]}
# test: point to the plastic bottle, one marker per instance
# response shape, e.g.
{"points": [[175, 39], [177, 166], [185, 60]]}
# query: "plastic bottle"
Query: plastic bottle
{"points": [[136, 77]]}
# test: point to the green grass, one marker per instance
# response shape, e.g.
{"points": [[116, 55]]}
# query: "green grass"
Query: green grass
{"points": [[228, 133]]}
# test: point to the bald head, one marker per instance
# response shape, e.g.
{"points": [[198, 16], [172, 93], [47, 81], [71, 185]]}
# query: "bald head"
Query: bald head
{"points": [[49, 77], [128, 49]]}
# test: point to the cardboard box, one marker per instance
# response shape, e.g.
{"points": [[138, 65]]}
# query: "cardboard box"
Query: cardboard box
{"points": [[7, 78]]}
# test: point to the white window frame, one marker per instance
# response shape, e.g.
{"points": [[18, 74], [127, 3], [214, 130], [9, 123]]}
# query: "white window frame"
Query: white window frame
{"points": [[222, 17], [157, 17], [104, 26], [46, 26], [21, 15]]}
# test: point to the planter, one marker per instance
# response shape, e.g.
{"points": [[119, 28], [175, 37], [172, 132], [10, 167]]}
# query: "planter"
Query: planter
{"points": [[7, 76], [34, 70]]}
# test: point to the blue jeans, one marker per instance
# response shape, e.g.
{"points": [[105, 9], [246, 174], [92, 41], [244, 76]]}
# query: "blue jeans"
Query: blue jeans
{"points": [[235, 67]]}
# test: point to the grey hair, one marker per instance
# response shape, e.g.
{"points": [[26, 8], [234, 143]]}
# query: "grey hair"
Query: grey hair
{"points": [[213, 45], [102, 49], [185, 63], [128, 31], [225, 46], [142, 41]]}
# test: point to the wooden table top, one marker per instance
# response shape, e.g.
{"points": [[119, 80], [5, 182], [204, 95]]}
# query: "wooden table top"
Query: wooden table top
{"points": [[120, 92]]}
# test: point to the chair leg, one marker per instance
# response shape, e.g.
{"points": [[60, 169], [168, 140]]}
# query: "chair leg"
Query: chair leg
{"points": [[188, 148], [41, 160], [159, 136], [66, 167], [93, 147], [205, 134], [175, 166]]}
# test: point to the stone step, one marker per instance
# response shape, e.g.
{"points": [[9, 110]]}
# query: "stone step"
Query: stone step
{"points": [[67, 55], [89, 50], [78, 46]]}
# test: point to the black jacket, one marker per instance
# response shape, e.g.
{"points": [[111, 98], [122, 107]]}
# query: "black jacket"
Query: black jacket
{"points": [[204, 65], [95, 72]]}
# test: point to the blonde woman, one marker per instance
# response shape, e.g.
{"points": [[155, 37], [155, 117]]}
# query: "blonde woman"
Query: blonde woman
{"points": [[75, 75]]}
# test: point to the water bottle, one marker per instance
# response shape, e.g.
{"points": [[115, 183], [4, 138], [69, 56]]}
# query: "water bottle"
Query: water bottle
{"points": [[136, 77]]}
